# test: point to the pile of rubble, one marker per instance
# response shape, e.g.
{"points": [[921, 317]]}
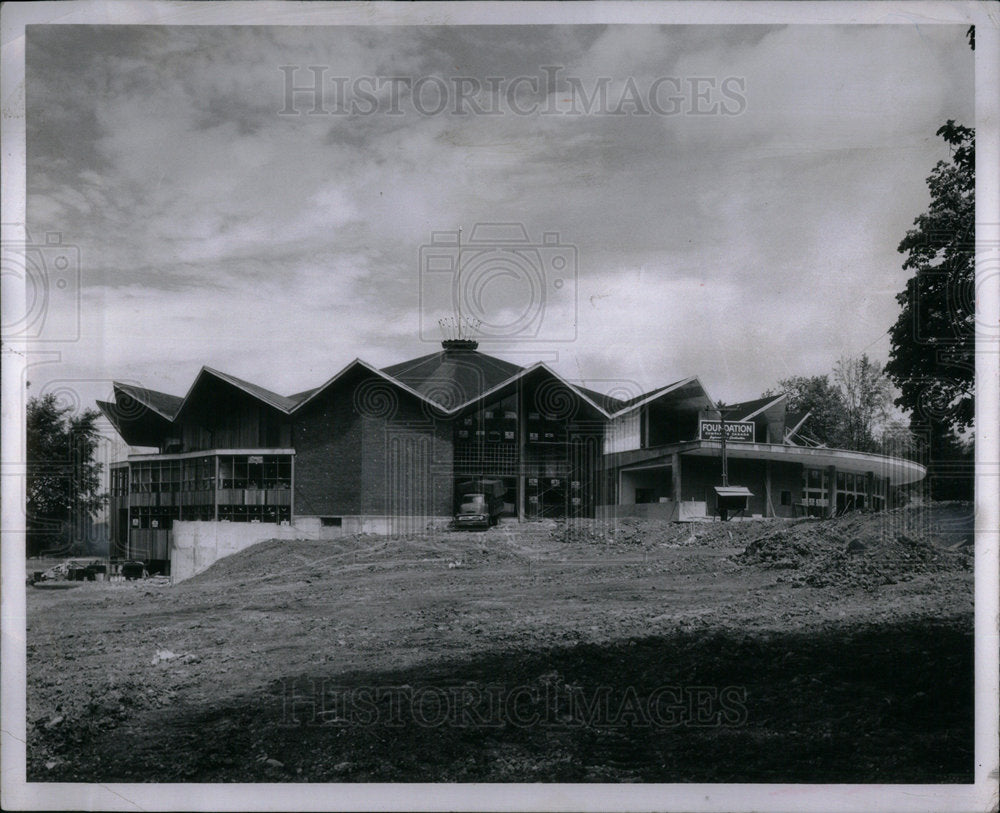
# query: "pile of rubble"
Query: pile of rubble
{"points": [[71, 570], [631, 532], [852, 552], [623, 532]]}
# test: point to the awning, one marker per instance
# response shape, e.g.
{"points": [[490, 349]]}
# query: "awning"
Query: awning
{"points": [[733, 491]]}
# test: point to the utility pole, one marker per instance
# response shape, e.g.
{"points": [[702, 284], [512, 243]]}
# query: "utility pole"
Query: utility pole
{"points": [[723, 513], [725, 460]]}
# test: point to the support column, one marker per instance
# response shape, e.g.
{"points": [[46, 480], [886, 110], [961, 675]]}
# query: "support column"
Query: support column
{"points": [[869, 482], [831, 492], [215, 488], [768, 505], [291, 493], [675, 480], [128, 516], [522, 429]]}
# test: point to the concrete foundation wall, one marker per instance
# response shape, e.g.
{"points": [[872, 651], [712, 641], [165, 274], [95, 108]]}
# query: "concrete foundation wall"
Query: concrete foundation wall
{"points": [[654, 510], [195, 546], [368, 524]]}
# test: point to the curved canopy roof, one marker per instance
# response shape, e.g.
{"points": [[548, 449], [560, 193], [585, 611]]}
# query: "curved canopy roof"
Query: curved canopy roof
{"points": [[898, 470]]}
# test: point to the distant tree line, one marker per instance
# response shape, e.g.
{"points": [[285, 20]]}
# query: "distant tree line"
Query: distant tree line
{"points": [[849, 409], [63, 482], [930, 374]]}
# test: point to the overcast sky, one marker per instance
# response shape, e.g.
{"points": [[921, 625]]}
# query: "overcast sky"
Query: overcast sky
{"points": [[217, 227]]}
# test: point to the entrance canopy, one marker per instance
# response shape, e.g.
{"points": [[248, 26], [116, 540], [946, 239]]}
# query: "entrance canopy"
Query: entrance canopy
{"points": [[733, 491], [898, 470]]}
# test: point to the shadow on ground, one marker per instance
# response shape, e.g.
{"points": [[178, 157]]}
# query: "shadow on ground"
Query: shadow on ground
{"points": [[891, 703]]}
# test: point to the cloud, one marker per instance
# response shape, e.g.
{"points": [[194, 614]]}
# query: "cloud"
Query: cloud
{"points": [[212, 229]]}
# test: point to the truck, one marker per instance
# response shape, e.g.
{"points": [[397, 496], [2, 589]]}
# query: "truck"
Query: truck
{"points": [[480, 502]]}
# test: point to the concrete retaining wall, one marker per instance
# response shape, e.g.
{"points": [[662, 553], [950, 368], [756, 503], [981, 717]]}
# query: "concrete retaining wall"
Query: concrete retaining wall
{"points": [[654, 510], [197, 545]]}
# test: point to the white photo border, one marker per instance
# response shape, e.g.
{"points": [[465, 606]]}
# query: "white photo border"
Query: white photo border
{"points": [[17, 794]]}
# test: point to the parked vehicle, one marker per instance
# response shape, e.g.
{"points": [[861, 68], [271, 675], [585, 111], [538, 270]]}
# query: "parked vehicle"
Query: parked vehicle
{"points": [[133, 570], [480, 503]]}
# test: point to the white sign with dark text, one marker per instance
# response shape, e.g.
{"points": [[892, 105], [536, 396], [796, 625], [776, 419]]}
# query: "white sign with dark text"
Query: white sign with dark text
{"points": [[739, 431]]}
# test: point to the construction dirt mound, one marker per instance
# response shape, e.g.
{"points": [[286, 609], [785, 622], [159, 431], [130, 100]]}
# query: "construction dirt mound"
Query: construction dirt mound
{"points": [[631, 532], [856, 550], [859, 550]]}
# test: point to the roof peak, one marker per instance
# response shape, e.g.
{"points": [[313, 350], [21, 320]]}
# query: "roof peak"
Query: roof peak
{"points": [[458, 345]]}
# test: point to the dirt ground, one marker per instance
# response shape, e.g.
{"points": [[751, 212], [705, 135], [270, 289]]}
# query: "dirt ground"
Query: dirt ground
{"points": [[774, 651]]}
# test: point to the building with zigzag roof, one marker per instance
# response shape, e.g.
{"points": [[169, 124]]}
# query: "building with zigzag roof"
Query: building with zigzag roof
{"points": [[383, 450]]}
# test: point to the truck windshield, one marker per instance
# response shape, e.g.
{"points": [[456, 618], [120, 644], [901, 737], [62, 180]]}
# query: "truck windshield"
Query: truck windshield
{"points": [[473, 499]]}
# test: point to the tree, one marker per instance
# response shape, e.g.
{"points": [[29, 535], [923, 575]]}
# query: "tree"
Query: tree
{"points": [[824, 402], [932, 358], [852, 412], [867, 395], [63, 478]]}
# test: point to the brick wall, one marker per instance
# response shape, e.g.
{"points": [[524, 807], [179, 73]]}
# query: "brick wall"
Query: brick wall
{"points": [[407, 463], [326, 436], [366, 448]]}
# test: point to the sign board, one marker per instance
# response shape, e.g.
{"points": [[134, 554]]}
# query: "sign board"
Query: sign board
{"points": [[739, 431], [255, 458]]}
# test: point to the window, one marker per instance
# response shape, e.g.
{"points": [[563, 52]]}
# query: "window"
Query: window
{"points": [[331, 522], [119, 482], [786, 497], [814, 491], [853, 495], [154, 517], [255, 471]]}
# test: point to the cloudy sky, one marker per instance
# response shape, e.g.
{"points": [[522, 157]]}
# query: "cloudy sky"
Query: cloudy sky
{"points": [[731, 210]]}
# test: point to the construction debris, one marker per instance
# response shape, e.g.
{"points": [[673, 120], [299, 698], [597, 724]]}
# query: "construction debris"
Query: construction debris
{"points": [[853, 551]]}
